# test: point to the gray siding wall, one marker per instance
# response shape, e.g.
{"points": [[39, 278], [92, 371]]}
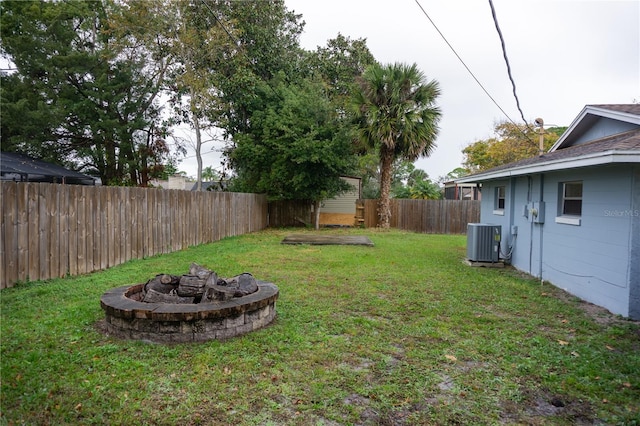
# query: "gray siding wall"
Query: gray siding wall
{"points": [[345, 203], [596, 260], [591, 260], [605, 127], [634, 262]]}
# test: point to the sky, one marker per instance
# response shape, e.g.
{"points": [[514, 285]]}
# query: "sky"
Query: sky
{"points": [[563, 55]]}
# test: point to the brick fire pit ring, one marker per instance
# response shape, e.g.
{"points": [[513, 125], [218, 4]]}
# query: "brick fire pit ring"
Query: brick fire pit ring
{"points": [[129, 318]]}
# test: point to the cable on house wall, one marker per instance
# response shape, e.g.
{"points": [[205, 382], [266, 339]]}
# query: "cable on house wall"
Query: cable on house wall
{"points": [[580, 275], [511, 246]]}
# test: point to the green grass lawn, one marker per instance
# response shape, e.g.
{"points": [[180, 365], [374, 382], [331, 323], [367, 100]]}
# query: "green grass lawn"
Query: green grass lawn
{"points": [[400, 333]]}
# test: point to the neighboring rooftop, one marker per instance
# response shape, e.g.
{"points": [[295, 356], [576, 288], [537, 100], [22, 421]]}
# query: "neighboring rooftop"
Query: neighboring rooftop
{"points": [[23, 168]]}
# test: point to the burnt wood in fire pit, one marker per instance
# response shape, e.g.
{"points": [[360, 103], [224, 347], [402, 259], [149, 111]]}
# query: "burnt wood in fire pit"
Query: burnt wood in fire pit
{"points": [[200, 285]]}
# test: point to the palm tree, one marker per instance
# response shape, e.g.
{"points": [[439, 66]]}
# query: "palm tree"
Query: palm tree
{"points": [[396, 116]]}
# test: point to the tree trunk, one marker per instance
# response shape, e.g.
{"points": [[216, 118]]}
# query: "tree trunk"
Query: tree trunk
{"points": [[384, 204], [111, 163], [316, 215], [196, 125]]}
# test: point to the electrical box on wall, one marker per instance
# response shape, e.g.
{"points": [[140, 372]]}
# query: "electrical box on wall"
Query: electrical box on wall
{"points": [[538, 207]]}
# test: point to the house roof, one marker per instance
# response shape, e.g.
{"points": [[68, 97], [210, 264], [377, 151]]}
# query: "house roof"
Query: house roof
{"points": [[212, 186], [618, 148], [590, 114], [20, 167]]}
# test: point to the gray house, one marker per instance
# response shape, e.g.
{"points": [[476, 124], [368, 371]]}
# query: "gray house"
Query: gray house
{"points": [[571, 216]]}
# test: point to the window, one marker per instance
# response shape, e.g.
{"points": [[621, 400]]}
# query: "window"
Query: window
{"points": [[569, 203], [498, 204], [572, 198]]}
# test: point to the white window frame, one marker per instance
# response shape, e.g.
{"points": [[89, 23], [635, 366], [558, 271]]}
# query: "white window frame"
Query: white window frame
{"points": [[497, 210], [569, 218]]}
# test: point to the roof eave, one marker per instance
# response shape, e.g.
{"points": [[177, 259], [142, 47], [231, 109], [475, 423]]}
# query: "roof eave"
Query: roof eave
{"points": [[602, 158]]}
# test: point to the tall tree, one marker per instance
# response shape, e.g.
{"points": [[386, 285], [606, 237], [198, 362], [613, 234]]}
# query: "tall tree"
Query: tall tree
{"points": [[98, 98], [397, 115], [266, 36], [410, 182], [203, 43], [425, 190], [296, 149], [456, 173], [209, 174], [339, 64], [512, 142]]}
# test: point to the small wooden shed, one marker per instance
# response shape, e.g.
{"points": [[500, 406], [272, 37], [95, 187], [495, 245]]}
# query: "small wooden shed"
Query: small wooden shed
{"points": [[341, 210]]}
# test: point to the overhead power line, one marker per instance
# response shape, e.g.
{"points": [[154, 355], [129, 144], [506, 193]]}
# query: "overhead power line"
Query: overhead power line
{"points": [[475, 78], [506, 60], [461, 61]]}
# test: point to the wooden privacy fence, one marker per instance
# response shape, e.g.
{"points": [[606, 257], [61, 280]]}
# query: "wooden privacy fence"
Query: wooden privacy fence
{"points": [[426, 216], [289, 213], [51, 230]]}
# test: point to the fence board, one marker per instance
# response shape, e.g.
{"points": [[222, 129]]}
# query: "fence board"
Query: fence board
{"points": [[94, 237], [162, 221], [44, 234], [111, 226], [72, 214], [47, 201], [101, 254], [214, 215], [205, 220], [211, 218], [34, 227], [54, 223], [10, 232], [149, 228], [140, 202], [23, 235], [90, 229], [196, 204], [64, 211], [183, 212], [117, 241], [174, 209], [127, 225]]}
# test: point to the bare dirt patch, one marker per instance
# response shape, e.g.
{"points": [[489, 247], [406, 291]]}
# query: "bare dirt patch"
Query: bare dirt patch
{"points": [[539, 407]]}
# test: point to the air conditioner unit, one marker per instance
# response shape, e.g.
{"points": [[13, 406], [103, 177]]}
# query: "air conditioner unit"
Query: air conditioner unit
{"points": [[483, 242]]}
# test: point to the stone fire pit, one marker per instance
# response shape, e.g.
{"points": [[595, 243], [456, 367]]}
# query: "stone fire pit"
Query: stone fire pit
{"points": [[194, 307]]}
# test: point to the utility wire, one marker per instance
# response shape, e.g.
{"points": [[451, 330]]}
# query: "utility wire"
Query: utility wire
{"points": [[463, 63], [476, 79], [506, 60]]}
